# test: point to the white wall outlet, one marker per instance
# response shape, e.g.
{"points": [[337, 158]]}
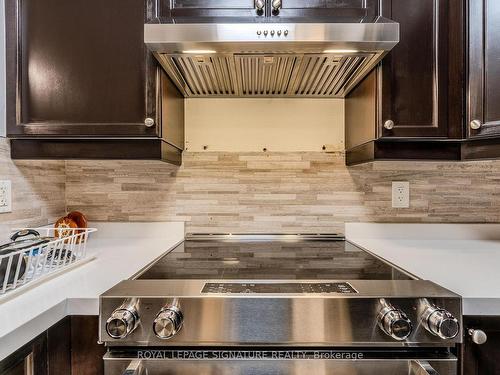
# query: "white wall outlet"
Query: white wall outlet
{"points": [[400, 194], [5, 196]]}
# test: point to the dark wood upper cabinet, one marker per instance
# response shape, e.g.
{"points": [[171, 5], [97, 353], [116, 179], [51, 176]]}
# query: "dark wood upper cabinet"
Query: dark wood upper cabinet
{"points": [[79, 68], [484, 69], [413, 105], [289, 11], [207, 10], [422, 78], [328, 10]]}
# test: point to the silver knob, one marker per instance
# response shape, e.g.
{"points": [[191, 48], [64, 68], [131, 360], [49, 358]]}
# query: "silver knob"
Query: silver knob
{"points": [[394, 322], [259, 5], [285, 33], [265, 32], [272, 32], [168, 322], [440, 323], [475, 124], [123, 320], [389, 124], [276, 4], [149, 122], [477, 336]]}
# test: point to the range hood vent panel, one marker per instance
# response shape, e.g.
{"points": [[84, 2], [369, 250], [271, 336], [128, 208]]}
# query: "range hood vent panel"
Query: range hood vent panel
{"points": [[297, 75], [246, 60]]}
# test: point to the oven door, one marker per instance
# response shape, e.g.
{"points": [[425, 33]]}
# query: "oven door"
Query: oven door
{"points": [[185, 362]]}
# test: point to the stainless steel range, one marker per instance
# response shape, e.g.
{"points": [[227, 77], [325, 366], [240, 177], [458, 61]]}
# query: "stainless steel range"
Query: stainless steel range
{"points": [[277, 304]]}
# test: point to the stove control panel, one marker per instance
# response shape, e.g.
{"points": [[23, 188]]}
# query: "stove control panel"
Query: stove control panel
{"points": [[279, 288]]}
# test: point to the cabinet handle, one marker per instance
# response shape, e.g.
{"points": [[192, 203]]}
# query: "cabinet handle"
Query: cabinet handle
{"points": [[477, 336], [149, 122], [389, 124], [29, 368], [475, 124], [134, 368], [259, 5]]}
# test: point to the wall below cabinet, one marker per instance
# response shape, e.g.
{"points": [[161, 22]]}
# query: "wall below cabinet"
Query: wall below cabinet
{"points": [[276, 124], [281, 192]]}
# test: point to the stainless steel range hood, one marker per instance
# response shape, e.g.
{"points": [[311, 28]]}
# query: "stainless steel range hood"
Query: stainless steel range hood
{"points": [[319, 60]]}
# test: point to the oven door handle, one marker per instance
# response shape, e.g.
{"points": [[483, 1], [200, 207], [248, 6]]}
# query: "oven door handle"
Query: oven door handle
{"points": [[422, 368], [134, 368]]}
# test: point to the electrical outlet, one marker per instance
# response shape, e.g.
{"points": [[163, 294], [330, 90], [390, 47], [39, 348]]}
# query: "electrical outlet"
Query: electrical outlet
{"points": [[400, 194], [5, 196]]}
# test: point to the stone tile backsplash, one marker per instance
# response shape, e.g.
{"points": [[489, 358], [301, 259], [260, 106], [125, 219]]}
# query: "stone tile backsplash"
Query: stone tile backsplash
{"points": [[280, 192], [38, 191]]}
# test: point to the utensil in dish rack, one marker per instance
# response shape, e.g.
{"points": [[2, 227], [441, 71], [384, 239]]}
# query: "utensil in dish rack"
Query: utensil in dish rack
{"points": [[19, 241]]}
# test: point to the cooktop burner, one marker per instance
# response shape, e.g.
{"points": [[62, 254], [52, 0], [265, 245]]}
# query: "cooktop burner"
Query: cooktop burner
{"points": [[263, 258]]}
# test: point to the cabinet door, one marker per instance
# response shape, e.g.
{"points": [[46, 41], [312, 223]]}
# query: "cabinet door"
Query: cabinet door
{"points": [[31, 359], [79, 68], [484, 68], [482, 359], [327, 10], [421, 78], [209, 10]]}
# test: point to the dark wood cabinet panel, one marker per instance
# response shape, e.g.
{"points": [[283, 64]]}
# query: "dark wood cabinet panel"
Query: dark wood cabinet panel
{"points": [[208, 10], [481, 359], [409, 71], [59, 347], [79, 68], [484, 68], [30, 359], [86, 353], [422, 77], [328, 10], [290, 10], [419, 88], [68, 347]]}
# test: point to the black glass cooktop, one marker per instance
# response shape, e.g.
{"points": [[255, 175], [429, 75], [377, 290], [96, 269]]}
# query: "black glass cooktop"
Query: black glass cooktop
{"points": [[271, 260]]}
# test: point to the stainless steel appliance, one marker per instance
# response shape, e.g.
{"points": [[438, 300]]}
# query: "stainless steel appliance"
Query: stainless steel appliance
{"points": [[270, 57], [277, 304]]}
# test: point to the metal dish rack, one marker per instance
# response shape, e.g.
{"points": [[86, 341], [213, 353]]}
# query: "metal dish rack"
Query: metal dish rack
{"points": [[64, 249]]}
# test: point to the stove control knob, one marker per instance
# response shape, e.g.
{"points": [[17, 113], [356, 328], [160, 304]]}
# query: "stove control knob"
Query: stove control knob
{"points": [[168, 322], [394, 323], [123, 320], [440, 323]]}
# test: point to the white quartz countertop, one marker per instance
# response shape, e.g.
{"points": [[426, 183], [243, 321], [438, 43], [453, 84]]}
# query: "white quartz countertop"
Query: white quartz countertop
{"points": [[464, 258], [120, 251]]}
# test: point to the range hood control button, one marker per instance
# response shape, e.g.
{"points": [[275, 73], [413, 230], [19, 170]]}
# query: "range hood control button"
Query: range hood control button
{"points": [[123, 320], [440, 323], [168, 322], [394, 322]]}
